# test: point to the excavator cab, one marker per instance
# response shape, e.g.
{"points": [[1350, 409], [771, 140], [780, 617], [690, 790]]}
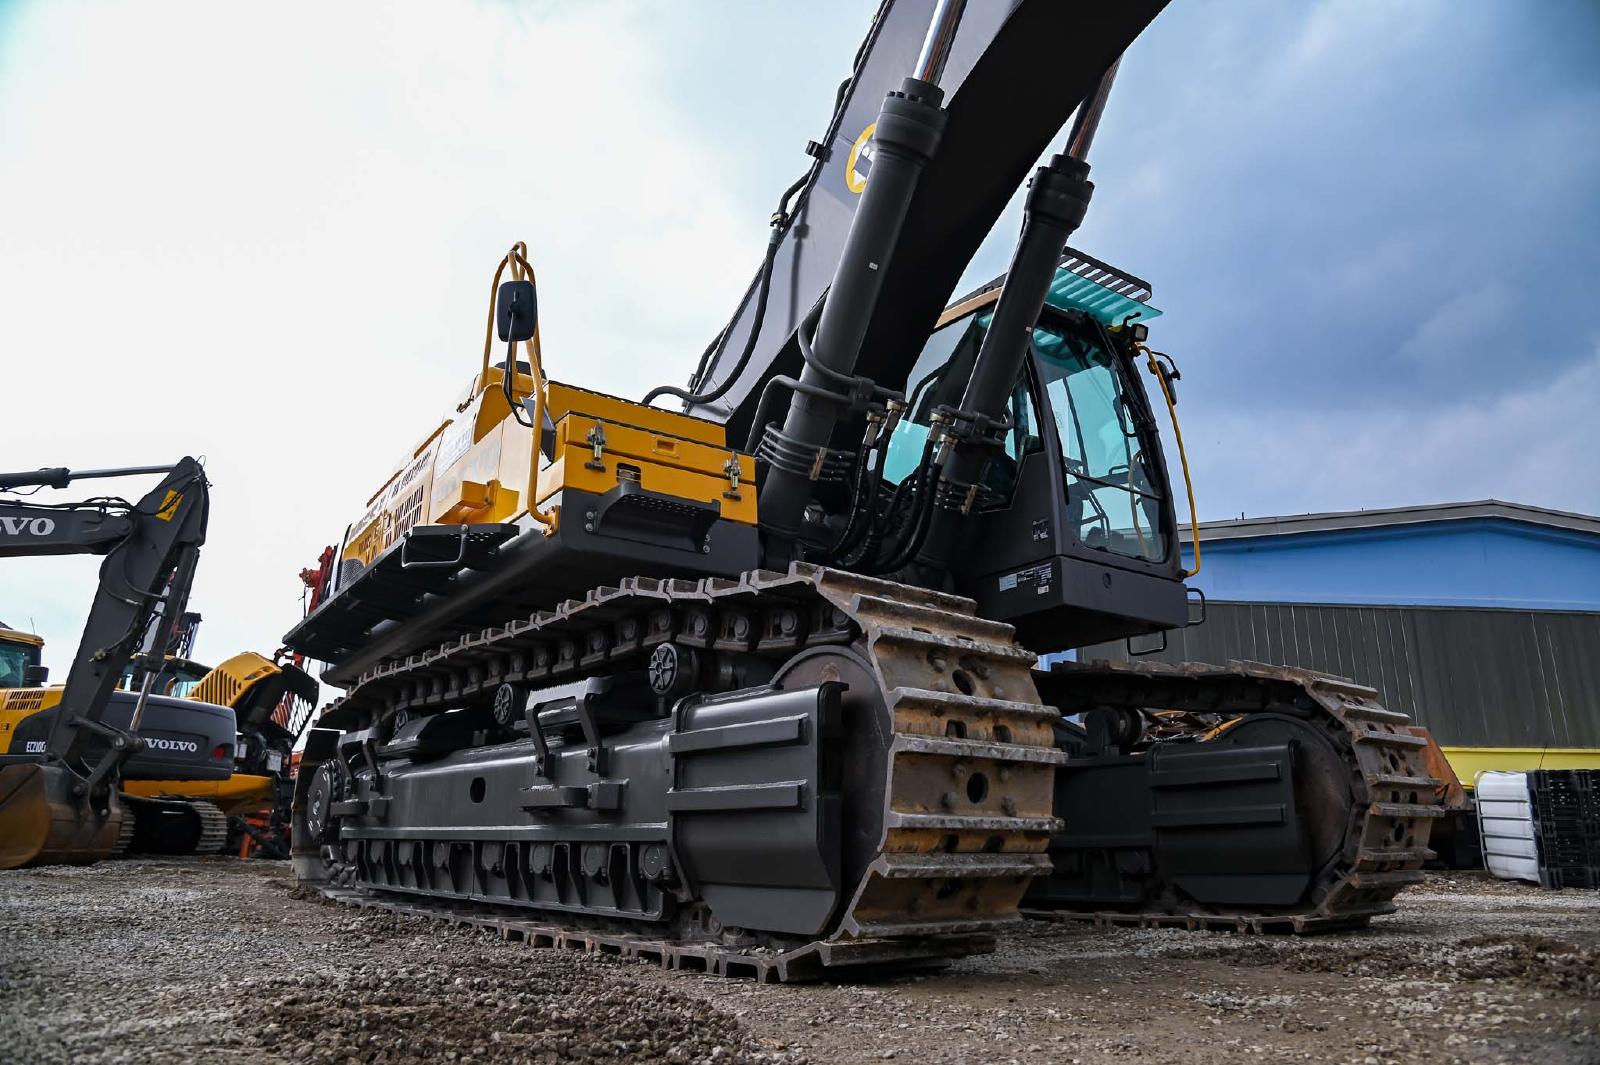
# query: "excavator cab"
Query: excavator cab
{"points": [[1077, 541], [20, 658]]}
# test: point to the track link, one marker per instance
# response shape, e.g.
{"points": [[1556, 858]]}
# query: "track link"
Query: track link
{"points": [[213, 826], [1394, 799], [967, 812]]}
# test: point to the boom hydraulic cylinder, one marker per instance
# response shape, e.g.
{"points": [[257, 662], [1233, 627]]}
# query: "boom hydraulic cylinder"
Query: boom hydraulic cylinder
{"points": [[907, 134], [1058, 198]]}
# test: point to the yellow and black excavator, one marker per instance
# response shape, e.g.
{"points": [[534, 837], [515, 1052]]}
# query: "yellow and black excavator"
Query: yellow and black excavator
{"points": [[263, 693], [246, 811], [66, 752], [750, 687]]}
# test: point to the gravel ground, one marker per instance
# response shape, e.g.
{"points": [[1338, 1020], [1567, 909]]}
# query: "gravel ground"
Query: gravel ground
{"points": [[216, 960]]}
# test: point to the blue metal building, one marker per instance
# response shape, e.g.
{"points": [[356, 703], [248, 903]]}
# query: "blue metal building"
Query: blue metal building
{"points": [[1481, 620]]}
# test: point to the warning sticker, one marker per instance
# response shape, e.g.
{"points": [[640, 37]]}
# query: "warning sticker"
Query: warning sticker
{"points": [[859, 165], [1035, 577]]}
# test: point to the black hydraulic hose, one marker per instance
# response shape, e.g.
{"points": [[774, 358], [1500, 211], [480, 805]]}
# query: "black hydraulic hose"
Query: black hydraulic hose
{"points": [[764, 416], [918, 532], [764, 286], [780, 226], [882, 522], [916, 488], [858, 483], [862, 503]]}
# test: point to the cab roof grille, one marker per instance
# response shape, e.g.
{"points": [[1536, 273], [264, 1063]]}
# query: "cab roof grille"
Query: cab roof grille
{"points": [[1090, 269]]}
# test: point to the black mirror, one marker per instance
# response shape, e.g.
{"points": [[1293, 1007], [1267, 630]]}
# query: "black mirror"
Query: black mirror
{"points": [[517, 311], [35, 676]]}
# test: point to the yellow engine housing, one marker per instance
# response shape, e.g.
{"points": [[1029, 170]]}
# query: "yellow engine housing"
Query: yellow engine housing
{"points": [[480, 466]]}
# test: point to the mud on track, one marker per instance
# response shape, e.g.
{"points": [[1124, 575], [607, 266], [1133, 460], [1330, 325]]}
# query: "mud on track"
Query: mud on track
{"points": [[215, 960]]}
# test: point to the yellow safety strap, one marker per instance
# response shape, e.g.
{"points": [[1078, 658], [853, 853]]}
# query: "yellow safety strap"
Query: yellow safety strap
{"points": [[1188, 481]]}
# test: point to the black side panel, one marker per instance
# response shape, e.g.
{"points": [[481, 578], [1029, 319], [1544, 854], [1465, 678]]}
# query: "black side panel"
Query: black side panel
{"points": [[755, 814], [1219, 822], [1225, 824], [185, 740]]}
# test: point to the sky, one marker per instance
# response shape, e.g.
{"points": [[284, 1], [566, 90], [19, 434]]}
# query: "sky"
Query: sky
{"points": [[264, 235]]}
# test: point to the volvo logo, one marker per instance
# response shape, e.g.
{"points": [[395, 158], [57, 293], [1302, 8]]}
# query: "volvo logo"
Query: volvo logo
{"points": [[171, 745], [32, 526]]}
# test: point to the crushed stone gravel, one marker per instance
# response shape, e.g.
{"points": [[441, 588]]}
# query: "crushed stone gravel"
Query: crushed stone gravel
{"points": [[217, 960]]}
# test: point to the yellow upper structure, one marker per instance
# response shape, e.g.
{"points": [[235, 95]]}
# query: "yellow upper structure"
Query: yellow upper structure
{"points": [[479, 465]]}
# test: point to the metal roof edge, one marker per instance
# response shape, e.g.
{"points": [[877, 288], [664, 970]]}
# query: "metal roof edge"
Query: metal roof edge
{"points": [[1392, 517]]}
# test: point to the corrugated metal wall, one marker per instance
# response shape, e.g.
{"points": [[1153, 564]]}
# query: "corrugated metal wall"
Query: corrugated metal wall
{"points": [[1489, 678]]}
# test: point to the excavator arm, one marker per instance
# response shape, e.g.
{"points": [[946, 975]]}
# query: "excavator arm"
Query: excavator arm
{"points": [[1012, 75], [57, 803]]}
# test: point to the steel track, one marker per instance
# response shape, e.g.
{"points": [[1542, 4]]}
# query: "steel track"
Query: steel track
{"points": [[968, 781], [1394, 803]]}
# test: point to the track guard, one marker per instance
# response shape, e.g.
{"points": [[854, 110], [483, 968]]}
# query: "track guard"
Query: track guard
{"points": [[1226, 826], [755, 812]]}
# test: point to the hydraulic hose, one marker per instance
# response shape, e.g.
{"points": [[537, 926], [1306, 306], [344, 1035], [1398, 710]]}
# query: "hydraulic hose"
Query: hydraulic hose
{"points": [[764, 286], [917, 533], [780, 226]]}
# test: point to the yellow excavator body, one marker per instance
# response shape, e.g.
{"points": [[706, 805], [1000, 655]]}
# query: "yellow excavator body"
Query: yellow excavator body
{"points": [[30, 810], [478, 465], [240, 794]]}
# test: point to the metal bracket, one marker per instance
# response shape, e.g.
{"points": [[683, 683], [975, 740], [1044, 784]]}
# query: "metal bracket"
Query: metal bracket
{"points": [[817, 463], [542, 760], [597, 440], [461, 554], [124, 745], [591, 733], [731, 468], [605, 795]]}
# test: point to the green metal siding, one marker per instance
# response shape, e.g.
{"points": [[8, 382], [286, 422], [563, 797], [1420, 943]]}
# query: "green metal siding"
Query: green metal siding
{"points": [[1477, 678]]}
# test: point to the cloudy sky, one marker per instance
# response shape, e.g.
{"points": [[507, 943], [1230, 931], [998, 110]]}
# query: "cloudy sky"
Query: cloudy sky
{"points": [[263, 235]]}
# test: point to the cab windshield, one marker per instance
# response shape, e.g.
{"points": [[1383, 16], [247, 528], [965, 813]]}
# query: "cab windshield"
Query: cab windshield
{"points": [[15, 658], [1112, 500]]}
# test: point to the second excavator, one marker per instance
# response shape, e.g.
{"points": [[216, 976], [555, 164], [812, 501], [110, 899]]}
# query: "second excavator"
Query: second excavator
{"points": [[750, 687]]}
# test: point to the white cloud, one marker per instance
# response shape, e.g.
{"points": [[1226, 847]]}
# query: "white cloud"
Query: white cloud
{"points": [[267, 239], [1518, 446]]}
